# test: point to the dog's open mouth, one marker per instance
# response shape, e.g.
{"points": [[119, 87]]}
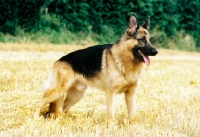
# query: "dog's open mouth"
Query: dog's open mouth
{"points": [[145, 58]]}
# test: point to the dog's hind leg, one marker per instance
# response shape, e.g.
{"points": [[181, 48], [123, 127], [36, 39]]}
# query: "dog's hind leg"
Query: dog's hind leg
{"points": [[56, 107], [58, 84], [51, 95], [75, 93], [48, 97]]}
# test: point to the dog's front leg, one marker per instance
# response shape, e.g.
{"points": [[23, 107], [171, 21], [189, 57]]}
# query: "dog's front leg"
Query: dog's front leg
{"points": [[130, 97], [110, 104]]}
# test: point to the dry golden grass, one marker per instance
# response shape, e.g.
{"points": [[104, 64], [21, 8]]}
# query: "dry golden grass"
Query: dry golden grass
{"points": [[168, 101]]}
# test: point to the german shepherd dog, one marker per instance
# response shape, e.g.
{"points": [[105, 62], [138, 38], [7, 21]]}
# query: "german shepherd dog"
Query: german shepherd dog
{"points": [[113, 68]]}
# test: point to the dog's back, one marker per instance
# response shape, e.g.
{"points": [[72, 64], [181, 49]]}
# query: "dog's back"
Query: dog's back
{"points": [[86, 62]]}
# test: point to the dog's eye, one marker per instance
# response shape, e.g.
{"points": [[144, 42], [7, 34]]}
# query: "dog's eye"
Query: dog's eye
{"points": [[142, 40]]}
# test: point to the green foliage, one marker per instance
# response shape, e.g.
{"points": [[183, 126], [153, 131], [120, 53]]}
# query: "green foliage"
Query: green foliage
{"points": [[8, 16], [2, 38], [66, 21]]}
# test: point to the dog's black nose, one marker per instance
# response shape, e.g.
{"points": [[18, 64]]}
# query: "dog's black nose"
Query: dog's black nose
{"points": [[154, 52]]}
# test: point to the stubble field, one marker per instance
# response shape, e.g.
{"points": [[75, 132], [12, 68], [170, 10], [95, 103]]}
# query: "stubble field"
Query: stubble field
{"points": [[168, 100]]}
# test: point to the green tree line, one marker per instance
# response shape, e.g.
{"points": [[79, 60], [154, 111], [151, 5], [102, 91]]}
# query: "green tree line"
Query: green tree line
{"points": [[173, 22]]}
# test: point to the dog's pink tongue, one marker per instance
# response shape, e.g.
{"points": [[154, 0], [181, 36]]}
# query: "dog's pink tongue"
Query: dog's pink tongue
{"points": [[146, 59]]}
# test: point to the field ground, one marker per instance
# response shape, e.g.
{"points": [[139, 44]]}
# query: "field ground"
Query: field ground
{"points": [[168, 101]]}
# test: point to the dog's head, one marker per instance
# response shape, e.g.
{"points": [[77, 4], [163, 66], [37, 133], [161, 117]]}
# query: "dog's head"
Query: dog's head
{"points": [[139, 38]]}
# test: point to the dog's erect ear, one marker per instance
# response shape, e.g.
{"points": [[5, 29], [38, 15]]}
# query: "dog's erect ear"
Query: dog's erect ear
{"points": [[146, 24], [133, 25]]}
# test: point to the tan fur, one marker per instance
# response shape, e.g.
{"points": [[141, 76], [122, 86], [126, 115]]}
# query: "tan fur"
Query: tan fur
{"points": [[120, 73]]}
